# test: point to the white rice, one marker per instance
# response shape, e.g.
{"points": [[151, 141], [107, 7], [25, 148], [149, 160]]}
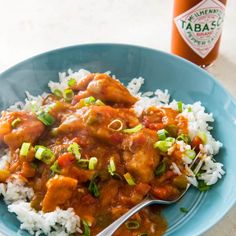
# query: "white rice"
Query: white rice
{"points": [[59, 222], [15, 190], [64, 222]]}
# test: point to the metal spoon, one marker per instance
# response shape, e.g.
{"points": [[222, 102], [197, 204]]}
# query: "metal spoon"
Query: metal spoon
{"points": [[146, 202]]}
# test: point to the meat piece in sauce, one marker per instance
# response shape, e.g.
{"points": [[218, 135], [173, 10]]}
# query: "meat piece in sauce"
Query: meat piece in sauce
{"points": [[102, 86], [96, 120], [140, 157], [29, 128], [59, 191]]}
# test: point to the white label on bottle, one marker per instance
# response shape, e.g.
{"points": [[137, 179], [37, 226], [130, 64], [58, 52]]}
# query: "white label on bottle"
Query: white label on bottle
{"points": [[201, 26]]}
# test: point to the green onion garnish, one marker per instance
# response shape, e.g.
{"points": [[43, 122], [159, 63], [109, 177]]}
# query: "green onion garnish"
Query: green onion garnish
{"points": [[89, 100], [15, 122], [86, 228], [46, 118], [190, 154], [92, 163], [132, 224], [58, 93], [129, 179], [55, 168], [184, 138], [164, 145], [162, 133], [202, 186], [180, 106], [116, 125], [202, 135], [93, 188], [24, 149], [44, 154], [74, 148], [184, 210], [111, 167], [190, 109], [161, 169], [133, 130], [99, 103], [71, 82], [68, 94], [83, 163]]}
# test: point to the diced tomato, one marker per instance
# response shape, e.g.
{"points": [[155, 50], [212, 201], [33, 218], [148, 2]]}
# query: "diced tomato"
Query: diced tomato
{"points": [[177, 154], [166, 192], [167, 176], [27, 170], [65, 159], [196, 143], [116, 138], [142, 188], [153, 126]]}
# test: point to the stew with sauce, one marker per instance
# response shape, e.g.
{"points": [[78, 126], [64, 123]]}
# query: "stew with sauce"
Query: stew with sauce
{"points": [[87, 149]]}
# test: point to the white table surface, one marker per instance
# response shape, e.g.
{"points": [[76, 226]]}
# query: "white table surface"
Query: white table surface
{"points": [[29, 27]]}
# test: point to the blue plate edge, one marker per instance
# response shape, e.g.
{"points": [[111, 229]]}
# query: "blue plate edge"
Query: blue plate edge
{"points": [[211, 77]]}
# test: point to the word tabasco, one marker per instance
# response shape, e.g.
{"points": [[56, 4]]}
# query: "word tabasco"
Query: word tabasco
{"points": [[197, 28]]}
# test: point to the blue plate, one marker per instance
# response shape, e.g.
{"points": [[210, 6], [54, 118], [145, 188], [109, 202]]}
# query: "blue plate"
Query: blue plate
{"points": [[184, 81]]}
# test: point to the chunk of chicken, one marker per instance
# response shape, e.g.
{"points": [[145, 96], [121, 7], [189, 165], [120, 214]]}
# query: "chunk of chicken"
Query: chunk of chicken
{"points": [[59, 191], [103, 87], [141, 159], [96, 120], [29, 128]]}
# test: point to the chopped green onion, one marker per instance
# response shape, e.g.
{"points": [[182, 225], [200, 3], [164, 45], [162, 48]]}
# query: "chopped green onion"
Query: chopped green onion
{"points": [[44, 154], [86, 228], [71, 82], [83, 163], [170, 140], [129, 179], [190, 153], [74, 148], [180, 106], [161, 169], [58, 93], [93, 188], [116, 125], [15, 122], [55, 168], [92, 163], [89, 101], [133, 130], [24, 149], [111, 167], [99, 103], [202, 186], [46, 118], [202, 135], [162, 133], [184, 138], [164, 145], [68, 94], [184, 210], [190, 109], [132, 224]]}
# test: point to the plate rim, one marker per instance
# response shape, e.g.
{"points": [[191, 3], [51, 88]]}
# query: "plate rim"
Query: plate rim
{"points": [[190, 64]]}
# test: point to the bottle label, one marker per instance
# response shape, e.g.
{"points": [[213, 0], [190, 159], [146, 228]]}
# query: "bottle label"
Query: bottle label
{"points": [[201, 26]]}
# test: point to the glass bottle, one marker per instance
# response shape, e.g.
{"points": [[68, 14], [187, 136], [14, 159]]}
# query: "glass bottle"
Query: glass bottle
{"points": [[197, 28]]}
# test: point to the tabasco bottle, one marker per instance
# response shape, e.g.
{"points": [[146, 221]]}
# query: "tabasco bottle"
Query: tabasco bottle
{"points": [[197, 28]]}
